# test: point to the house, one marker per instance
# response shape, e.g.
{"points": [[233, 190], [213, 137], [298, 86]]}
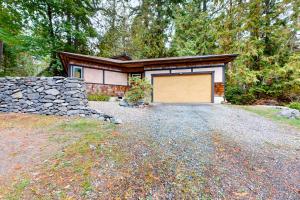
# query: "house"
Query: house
{"points": [[188, 79]]}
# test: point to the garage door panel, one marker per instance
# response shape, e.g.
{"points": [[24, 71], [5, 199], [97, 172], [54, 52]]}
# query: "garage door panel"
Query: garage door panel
{"points": [[182, 88]]}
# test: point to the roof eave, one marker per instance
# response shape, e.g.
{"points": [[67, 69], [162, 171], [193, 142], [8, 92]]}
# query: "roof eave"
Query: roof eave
{"points": [[144, 63], [89, 58], [224, 58]]}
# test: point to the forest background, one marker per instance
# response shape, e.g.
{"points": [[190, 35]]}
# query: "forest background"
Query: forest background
{"points": [[265, 34]]}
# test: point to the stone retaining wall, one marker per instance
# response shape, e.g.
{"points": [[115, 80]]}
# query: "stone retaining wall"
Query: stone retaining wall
{"points": [[46, 95]]}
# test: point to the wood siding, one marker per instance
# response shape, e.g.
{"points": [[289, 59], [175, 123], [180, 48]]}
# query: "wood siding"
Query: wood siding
{"points": [[219, 89]]}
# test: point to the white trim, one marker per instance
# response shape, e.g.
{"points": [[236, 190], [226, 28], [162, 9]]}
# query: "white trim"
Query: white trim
{"points": [[136, 75], [218, 100], [184, 67], [73, 67]]}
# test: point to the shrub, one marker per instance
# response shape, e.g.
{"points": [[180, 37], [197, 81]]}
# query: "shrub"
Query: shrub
{"points": [[98, 97], [295, 105], [140, 89], [236, 95]]}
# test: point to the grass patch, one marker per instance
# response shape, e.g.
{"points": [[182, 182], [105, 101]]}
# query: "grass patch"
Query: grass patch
{"points": [[81, 125], [18, 189], [59, 138], [71, 168], [98, 97], [295, 105], [87, 186], [271, 113], [28, 121]]}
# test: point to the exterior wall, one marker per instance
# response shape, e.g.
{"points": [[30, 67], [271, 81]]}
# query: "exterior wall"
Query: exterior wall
{"points": [[219, 89], [111, 90], [219, 78], [218, 72], [87, 64], [181, 70], [115, 78], [218, 100], [149, 73], [93, 75], [116, 83]]}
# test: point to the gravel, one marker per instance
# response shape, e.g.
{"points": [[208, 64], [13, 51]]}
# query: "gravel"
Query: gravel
{"points": [[240, 155], [240, 125]]}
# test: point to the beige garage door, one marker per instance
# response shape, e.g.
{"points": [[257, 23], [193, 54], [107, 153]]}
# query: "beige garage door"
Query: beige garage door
{"points": [[192, 88]]}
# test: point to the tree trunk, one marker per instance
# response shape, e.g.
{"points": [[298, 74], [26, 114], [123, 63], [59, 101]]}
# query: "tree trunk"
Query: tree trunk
{"points": [[52, 38], [76, 40], [204, 6], [1, 57], [50, 20], [1, 51], [114, 24], [160, 30], [267, 12], [69, 37]]}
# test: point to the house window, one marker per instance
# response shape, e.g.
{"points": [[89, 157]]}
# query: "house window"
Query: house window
{"points": [[77, 72], [139, 75]]}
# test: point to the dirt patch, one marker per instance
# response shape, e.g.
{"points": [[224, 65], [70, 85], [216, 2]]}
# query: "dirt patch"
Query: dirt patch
{"points": [[266, 102], [28, 140], [61, 160], [240, 174]]}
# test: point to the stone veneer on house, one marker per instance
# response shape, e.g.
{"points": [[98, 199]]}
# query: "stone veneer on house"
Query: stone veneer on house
{"points": [[111, 90], [46, 95]]}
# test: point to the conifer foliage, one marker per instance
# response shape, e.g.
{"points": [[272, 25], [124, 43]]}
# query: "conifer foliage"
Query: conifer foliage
{"points": [[263, 33]]}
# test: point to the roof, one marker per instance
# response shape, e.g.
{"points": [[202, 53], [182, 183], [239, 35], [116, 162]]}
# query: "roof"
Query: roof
{"points": [[152, 62], [123, 56]]}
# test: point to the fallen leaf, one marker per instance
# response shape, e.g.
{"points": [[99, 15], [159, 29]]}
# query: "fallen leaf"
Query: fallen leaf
{"points": [[221, 149], [67, 187], [17, 167], [115, 133], [241, 194]]}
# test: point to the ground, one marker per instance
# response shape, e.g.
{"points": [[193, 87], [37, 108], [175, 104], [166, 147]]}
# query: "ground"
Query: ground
{"points": [[159, 152], [25, 141]]}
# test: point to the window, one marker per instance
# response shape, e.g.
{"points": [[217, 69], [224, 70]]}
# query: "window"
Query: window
{"points": [[77, 72], [139, 75]]}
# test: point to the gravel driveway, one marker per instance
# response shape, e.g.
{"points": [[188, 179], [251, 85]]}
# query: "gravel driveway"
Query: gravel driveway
{"points": [[214, 151]]}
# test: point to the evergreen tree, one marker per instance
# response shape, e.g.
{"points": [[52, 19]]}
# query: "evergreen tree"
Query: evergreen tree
{"points": [[263, 32], [150, 27], [195, 32]]}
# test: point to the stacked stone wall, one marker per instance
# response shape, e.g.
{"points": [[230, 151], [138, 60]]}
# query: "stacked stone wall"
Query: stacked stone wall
{"points": [[46, 95]]}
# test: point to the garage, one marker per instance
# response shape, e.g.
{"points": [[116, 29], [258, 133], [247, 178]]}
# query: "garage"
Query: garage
{"points": [[183, 88], [184, 79]]}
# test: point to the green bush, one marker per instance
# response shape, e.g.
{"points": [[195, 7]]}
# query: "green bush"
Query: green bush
{"points": [[140, 89], [295, 105], [98, 97], [237, 95]]}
